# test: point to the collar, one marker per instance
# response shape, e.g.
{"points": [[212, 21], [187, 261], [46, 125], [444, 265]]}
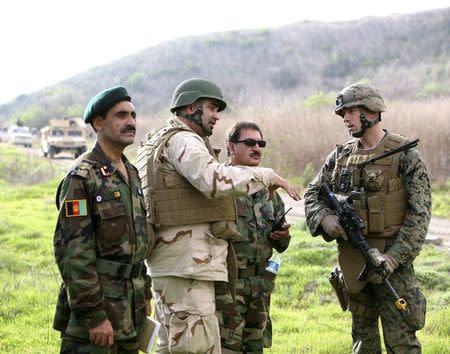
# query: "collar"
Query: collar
{"points": [[105, 165], [177, 121]]}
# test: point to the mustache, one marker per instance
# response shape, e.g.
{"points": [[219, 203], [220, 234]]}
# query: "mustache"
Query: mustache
{"points": [[255, 154], [128, 128]]}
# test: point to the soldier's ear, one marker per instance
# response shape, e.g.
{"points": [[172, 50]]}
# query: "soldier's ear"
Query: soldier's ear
{"points": [[230, 149], [191, 108], [97, 123]]}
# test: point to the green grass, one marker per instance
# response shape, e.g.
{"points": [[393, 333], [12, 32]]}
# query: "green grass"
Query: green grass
{"points": [[17, 167], [305, 312], [441, 200], [29, 279]]}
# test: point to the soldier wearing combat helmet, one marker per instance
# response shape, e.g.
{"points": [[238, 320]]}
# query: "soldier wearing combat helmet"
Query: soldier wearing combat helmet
{"points": [[360, 96], [393, 198], [101, 238], [189, 194]]}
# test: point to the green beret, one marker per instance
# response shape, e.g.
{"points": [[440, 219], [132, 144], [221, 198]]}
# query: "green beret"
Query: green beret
{"points": [[102, 101]]}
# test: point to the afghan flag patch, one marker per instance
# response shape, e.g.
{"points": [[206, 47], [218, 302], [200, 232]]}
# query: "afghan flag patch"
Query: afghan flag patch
{"points": [[76, 208]]}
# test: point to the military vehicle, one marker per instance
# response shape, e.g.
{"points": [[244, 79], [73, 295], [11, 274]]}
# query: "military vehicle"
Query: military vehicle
{"points": [[64, 135]]}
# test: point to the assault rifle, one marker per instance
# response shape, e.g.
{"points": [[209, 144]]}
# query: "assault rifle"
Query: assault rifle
{"points": [[353, 224]]}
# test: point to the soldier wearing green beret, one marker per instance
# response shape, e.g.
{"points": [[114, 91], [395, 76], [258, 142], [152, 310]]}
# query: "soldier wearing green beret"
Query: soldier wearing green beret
{"points": [[392, 196], [101, 238], [245, 324]]}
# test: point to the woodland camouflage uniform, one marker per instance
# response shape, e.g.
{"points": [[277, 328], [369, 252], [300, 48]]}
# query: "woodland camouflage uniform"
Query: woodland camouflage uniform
{"points": [[100, 244], [396, 214], [245, 324]]}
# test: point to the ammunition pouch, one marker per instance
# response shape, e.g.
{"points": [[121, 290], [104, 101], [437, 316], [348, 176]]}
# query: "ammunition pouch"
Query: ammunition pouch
{"points": [[337, 282], [117, 269], [226, 229]]}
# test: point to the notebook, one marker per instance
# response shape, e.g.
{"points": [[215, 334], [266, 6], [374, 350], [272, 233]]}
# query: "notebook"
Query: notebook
{"points": [[148, 335]]}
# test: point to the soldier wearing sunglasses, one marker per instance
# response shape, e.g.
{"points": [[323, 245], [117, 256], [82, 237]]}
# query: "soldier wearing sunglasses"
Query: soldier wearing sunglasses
{"points": [[245, 323]]}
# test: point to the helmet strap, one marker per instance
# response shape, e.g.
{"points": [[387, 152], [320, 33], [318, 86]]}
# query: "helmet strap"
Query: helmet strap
{"points": [[196, 118], [365, 124]]}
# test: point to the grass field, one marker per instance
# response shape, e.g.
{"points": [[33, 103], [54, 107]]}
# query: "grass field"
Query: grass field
{"points": [[306, 316]]}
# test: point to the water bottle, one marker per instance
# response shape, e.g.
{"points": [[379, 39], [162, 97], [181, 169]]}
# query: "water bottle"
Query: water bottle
{"points": [[274, 264]]}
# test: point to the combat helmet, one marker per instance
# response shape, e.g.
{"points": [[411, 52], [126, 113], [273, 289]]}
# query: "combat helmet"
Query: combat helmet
{"points": [[191, 90], [359, 95]]}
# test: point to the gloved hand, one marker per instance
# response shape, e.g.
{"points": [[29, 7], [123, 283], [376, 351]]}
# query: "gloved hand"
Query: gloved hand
{"points": [[391, 266], [330, 224]]}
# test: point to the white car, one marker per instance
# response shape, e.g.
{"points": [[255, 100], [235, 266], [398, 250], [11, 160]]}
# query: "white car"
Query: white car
{"points": [[20, 136]]}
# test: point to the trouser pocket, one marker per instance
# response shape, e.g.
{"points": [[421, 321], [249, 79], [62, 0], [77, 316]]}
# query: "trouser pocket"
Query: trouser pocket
{"points": [[193, 333], [417, 307]]}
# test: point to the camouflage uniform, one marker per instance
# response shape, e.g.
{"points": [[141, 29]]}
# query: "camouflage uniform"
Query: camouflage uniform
{"points": [[187, 259], [372, 301], [245, 324], [100, 244]]}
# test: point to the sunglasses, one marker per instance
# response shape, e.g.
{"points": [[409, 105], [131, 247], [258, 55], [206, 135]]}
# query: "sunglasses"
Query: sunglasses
{"points": [[253, 142]]}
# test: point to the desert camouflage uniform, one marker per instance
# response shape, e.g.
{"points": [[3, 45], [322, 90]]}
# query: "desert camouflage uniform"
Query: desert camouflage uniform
{"points": [[100, 244], [245, 324], [187, 259], [374, 301]]}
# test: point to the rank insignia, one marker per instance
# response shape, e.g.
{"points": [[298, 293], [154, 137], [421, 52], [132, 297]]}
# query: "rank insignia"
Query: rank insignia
{"points": [[116, 194], [76, 208], [105, 171]]}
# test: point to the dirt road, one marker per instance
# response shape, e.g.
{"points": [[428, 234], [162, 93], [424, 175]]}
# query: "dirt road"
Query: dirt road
{"points": [[65, 160], [438, 231]]}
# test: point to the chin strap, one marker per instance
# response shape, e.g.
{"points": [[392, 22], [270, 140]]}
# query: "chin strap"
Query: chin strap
{"points": [[365, 124], [196, 118]]}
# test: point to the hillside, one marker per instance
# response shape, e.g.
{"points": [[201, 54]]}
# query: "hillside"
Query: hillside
{"points": [[406, 56]]}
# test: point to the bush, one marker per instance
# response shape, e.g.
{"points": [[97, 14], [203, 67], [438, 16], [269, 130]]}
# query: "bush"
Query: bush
{"points": [[17, 167]]}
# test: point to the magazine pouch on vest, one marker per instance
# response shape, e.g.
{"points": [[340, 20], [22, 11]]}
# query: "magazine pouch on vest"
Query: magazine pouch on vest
{"points": [[381, 205]]}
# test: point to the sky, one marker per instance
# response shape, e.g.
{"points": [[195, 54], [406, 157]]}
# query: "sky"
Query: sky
{"points": [[46, 41]]}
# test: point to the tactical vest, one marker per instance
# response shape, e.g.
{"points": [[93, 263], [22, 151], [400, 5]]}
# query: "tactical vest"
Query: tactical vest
{"points": [[170, 199], [382, 204], [381, 201]]}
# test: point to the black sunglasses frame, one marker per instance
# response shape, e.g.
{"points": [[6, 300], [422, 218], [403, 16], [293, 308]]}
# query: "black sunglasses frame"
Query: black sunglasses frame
{"points": [[252, 142]]}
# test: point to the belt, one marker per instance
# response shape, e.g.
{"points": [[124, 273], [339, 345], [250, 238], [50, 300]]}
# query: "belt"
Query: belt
{"points": [[252, 270], [117, 269]]}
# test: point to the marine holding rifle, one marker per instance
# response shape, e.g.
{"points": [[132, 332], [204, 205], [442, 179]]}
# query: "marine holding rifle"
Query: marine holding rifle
{"points": [[392, 197]]}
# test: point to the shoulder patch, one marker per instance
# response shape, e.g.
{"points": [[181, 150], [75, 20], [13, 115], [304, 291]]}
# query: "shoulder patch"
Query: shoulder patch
{"points": [[76, 207], [81, 169]]}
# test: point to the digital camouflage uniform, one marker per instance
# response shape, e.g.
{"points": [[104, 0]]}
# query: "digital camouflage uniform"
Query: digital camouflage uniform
{"points": [[100, 244], [396, 219], [188, 258], [245, 324]]}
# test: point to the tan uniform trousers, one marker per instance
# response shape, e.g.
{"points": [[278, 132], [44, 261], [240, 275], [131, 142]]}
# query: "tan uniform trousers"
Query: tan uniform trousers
{"points": [[186, 310]]}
